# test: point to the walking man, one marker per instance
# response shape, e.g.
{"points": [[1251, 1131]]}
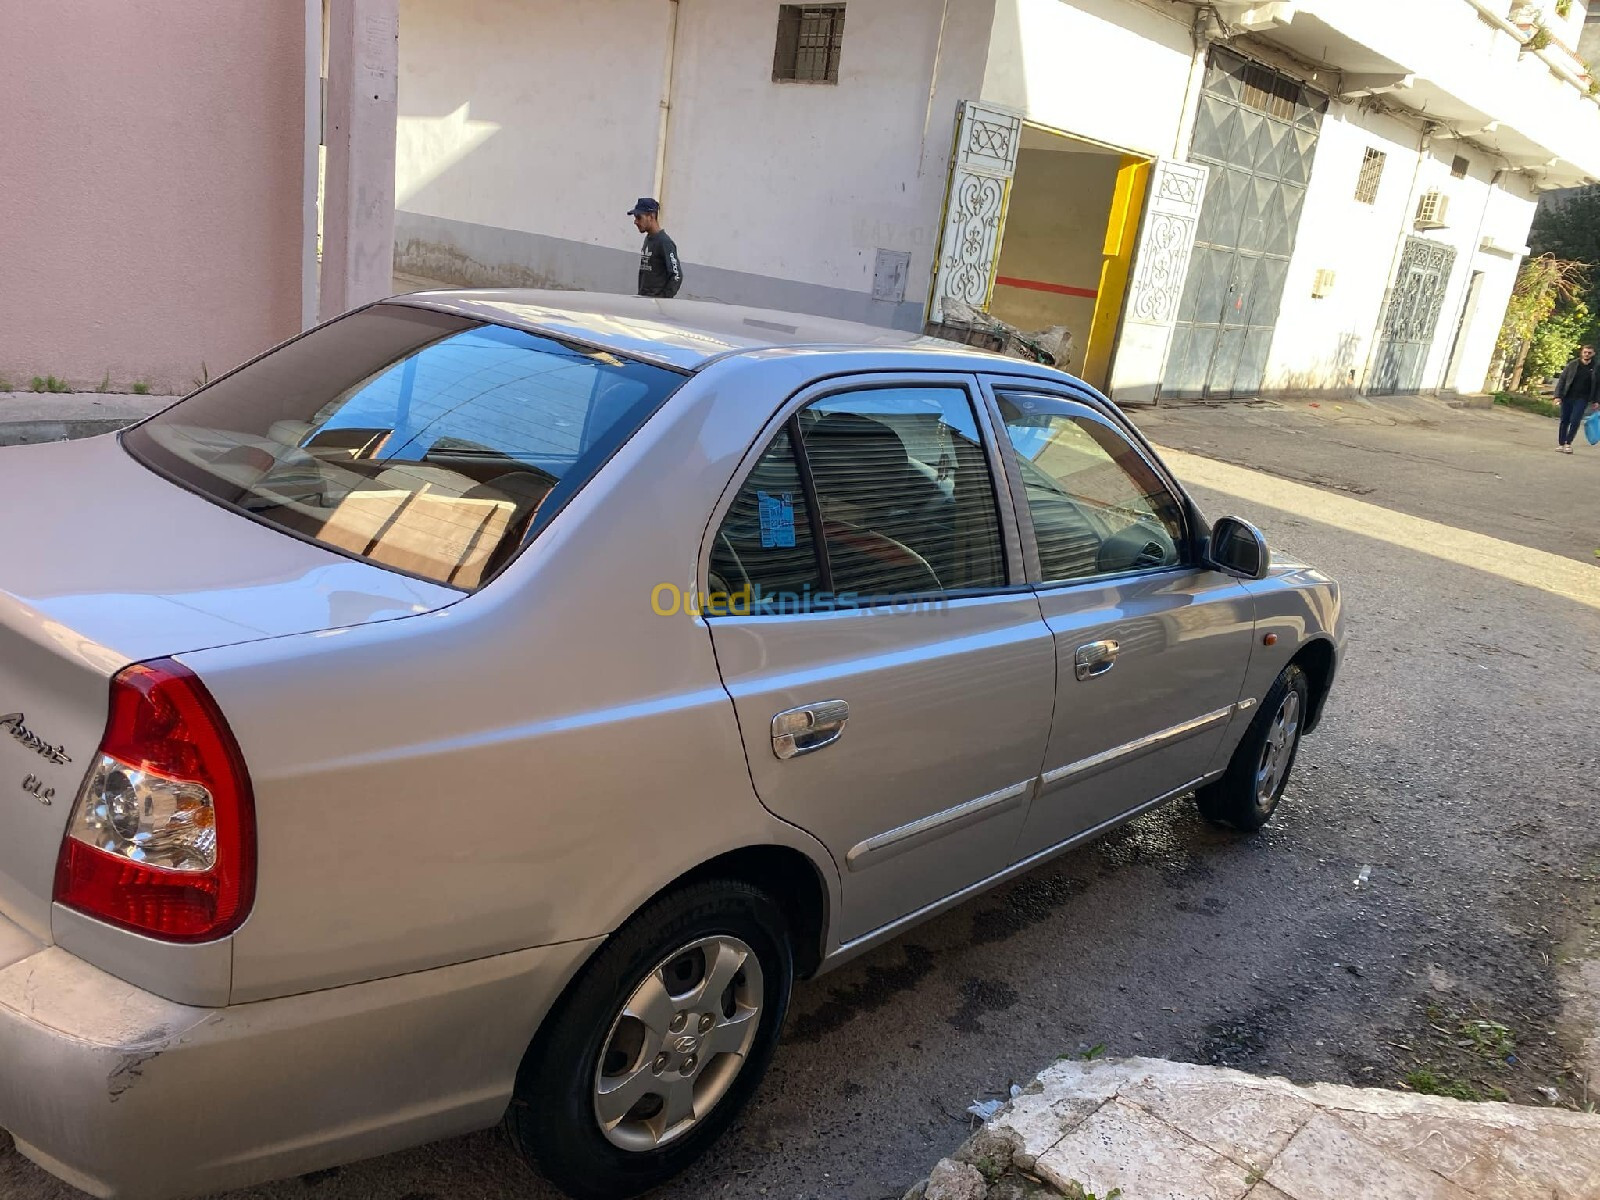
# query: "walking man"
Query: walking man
{"points": [[659, 272], [1576, 390]]}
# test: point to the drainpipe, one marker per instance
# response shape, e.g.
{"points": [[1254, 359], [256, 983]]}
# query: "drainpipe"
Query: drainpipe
{"points": [[664, 129], [933, 89], [310, 164], [1206, 29], [1407, 221]]}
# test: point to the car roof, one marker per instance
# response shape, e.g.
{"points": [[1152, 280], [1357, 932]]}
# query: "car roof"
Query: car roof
{"points": [[682, 334]]}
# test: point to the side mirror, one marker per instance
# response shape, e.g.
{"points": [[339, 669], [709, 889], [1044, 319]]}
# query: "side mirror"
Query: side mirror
{"points": [[1238, 548]]}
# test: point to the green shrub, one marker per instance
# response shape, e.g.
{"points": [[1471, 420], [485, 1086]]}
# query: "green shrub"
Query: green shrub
{"points": [[1556, 340], [1528, 403]]}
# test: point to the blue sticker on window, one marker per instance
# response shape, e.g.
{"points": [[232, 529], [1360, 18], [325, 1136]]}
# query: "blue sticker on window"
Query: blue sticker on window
{"points": [[777, 519]]}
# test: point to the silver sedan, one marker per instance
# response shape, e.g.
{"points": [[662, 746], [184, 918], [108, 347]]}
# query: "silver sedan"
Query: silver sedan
{"points": [[485, 706]]}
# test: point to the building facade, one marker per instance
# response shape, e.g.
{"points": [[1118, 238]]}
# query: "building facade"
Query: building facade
{"points": [[154, 199], [1218, 200]]}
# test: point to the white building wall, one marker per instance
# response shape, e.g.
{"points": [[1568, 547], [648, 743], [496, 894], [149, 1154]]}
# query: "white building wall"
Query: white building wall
{"points": [[804, 182], [528, 127], [1319, 342], [1469, 202], [1114, 71], [481, 139], [1507, 222], [1331, 342]]}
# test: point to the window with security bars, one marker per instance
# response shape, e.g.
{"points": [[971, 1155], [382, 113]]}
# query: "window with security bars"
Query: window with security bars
{"points": [[810, 37], [1460, 167], [1267, 90], [1371, 173]]}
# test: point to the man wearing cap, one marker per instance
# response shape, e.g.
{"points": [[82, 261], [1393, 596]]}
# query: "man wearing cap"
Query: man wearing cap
{"points": [[659, 272]]}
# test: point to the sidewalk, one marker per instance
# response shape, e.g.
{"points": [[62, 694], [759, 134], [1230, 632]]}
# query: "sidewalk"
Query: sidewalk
{"points": [[1173, 1131], [29, 417]]}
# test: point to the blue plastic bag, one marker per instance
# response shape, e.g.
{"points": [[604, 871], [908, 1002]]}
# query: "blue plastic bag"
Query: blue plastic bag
{"points": [[1591, 428]]}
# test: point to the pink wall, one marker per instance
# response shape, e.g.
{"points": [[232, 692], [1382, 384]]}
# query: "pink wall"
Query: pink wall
{"points": [[150, 187]]}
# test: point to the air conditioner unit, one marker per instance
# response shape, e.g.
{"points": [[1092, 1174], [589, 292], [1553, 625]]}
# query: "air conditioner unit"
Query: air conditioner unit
{"points": [[1322, 285], [1433, 210]]}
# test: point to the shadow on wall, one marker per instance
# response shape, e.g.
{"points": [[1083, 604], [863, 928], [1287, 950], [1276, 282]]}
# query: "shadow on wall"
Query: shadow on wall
{"points": [[427, 147]]}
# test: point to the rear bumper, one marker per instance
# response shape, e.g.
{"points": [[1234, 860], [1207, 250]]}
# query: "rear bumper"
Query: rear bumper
{"points": [[124, 1094]]}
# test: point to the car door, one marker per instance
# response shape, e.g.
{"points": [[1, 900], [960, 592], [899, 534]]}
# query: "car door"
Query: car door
{"points": [[891, 669], [1151, 647]]}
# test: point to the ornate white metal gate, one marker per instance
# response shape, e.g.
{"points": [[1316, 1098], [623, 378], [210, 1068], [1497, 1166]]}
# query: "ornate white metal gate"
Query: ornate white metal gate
{"points": [[985, 160], [1412, 318], [1160, 265]]}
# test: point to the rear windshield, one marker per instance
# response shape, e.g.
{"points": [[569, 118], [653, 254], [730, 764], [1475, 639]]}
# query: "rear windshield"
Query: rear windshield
{"points": [[420, 441]]}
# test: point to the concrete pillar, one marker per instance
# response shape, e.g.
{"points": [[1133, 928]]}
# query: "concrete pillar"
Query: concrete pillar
{"points": [[358, 188]]}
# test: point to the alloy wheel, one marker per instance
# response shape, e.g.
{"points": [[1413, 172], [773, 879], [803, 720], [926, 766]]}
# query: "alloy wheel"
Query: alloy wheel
{"points": [[678, 1044], [1278, 752]]}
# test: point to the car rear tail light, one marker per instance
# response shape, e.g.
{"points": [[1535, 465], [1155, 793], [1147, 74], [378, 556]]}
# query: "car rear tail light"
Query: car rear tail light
{"points": [[162, 838]]}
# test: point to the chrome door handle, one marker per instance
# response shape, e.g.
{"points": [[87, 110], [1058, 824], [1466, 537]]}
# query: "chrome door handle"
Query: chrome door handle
{"points": [[810, 727], [1095, 658]]}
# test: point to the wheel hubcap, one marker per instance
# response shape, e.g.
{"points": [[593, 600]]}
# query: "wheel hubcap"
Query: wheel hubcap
{"points": [[678, 1044], [1278, 753]]}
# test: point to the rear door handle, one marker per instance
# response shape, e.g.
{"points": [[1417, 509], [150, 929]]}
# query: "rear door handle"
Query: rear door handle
{"points": [[810, 727], [1095, 658]]}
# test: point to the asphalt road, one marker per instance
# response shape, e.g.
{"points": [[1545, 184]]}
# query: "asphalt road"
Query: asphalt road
{"points": [[1495, 471], [1453, 775]]}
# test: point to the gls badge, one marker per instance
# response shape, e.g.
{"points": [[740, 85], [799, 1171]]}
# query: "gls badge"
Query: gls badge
{"points": [[35, 787]]}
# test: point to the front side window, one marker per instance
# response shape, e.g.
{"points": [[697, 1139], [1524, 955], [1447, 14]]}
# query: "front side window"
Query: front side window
{"points": [[419, 441], [1098, 507]]}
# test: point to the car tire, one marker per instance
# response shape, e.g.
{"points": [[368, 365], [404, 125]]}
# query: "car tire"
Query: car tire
{"points": [[594, 1053], [1248, 793]]}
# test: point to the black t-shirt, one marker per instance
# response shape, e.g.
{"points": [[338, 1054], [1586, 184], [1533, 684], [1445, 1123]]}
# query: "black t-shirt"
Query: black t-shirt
{"points": [[659, 272]]}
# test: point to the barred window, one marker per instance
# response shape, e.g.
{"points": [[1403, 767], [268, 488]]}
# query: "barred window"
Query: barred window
{"points": [[1265, 89], [1371, 173], [1460, 167], [810, 37]]}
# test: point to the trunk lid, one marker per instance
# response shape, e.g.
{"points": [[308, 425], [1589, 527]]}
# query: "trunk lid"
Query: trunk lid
{"points": [[104, 563]]}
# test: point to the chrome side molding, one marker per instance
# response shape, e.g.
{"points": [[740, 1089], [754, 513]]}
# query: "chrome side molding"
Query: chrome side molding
{"points": [[1096, 763], [886, 845]]}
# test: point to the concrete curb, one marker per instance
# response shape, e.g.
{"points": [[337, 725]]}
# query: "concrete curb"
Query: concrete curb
{"points": [[27, 418], [1162, 1129]]}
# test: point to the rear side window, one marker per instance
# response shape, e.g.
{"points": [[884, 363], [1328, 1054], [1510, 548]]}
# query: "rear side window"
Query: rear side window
{"points": [[765, 559], [898, 484], [420, 441], [905, 492]]}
